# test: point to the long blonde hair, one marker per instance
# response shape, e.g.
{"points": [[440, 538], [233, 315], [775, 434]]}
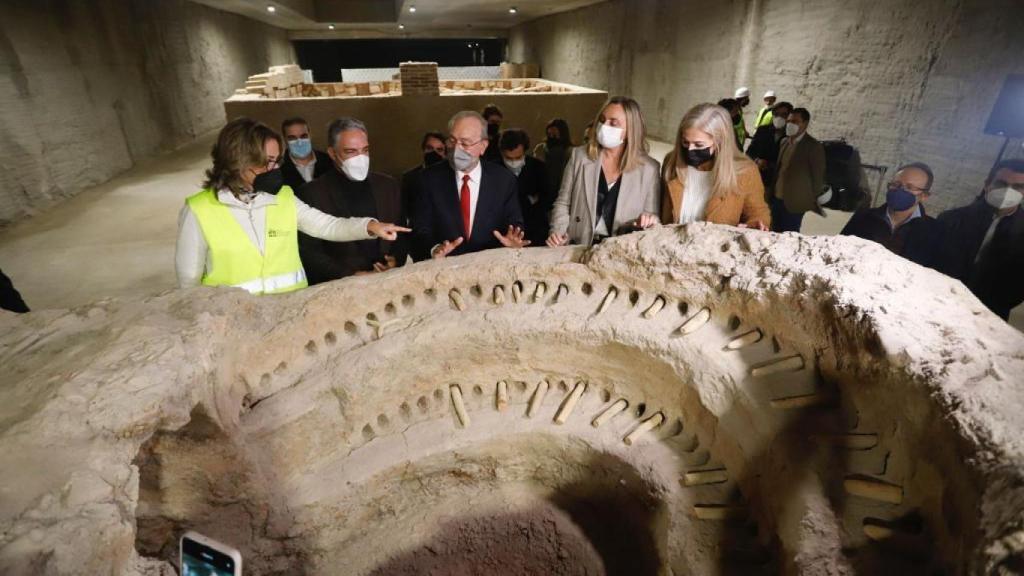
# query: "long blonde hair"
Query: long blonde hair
{"points": [[636, 133], [729, 160]]}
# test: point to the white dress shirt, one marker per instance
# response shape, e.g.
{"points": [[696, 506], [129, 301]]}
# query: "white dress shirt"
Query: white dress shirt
{"points": [[306, 171], [474, 191]]}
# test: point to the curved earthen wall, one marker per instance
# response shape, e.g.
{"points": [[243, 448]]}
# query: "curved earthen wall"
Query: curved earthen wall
{"points": [[694, 400]]}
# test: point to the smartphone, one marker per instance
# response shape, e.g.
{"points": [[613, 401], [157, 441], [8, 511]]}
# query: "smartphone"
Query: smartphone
{"points": [[202, 556]]}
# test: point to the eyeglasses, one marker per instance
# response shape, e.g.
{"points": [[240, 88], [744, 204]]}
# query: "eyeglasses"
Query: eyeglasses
{"points": [[464, 143], [912, 189]]}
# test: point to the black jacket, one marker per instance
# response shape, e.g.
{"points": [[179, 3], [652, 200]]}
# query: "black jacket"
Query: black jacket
{"points": [[765, 146], [10, 299], [291, 173], [533, 183], [918, 240], [997, 278], [439, 212], [334, 194]]}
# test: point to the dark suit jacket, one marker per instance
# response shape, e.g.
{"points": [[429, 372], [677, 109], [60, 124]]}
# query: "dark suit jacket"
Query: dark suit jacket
{"points": [[291, 173], [439, 212], [332, 194], [765, 147], [801, 174], [918, 240], [533, 181], [997, 277]]}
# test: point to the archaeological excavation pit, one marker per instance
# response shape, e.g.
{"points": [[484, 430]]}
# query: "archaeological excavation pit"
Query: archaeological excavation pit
{"points": [[690, 400]]}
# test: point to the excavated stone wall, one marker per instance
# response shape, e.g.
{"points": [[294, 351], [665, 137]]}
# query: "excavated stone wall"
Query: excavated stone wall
{"points": [[689, 400], [89, 88], [901, 80]]}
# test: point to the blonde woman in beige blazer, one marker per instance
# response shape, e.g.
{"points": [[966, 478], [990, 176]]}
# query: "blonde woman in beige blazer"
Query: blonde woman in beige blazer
{"points": [[610, 185]]}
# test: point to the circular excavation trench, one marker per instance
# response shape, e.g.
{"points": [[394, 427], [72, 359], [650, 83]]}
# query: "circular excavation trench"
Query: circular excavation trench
{"points": [[686, 401]]}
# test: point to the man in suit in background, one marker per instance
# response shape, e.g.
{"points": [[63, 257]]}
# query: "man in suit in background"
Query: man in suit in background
{"points": [[764, 148], [350, 190], [535, 199], [433, 148], [801, 174], [466, 205], [302, 163]]}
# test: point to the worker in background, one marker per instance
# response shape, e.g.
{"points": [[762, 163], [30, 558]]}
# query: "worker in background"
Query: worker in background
{"points": [[742, 98], [351, 190], [764, 116], [901, 224], [800, 178], [984, 242], [242, 229], [535, 198], [736, 117], [554, 152]]}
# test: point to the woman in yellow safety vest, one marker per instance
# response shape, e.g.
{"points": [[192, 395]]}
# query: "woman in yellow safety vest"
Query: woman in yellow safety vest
{"points": [[242, 229]]}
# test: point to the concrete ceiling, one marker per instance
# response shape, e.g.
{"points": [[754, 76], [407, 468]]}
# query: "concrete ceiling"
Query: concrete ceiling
{"points": [[308, 19]]}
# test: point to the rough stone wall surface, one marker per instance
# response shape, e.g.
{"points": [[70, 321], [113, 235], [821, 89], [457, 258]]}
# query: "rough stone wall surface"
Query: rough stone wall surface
{"points": [[87, 88], [906, 80]]}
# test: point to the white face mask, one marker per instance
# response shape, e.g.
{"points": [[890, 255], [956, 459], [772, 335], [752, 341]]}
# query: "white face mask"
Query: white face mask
{"points": [[461, 160], [792, 129], [1003, 198], [516, 166], [779, 122], [356, 167], [609, 136]]}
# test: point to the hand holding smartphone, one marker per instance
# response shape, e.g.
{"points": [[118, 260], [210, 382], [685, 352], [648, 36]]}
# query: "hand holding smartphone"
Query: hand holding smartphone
{"points": [[202, 556]]}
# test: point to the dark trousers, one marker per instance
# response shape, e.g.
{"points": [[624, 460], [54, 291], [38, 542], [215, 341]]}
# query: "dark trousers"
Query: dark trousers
{"points": [[783, 220]]}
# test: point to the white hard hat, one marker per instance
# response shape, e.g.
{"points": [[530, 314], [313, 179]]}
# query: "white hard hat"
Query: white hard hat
{"points": [[769, 94], [743, 92]]}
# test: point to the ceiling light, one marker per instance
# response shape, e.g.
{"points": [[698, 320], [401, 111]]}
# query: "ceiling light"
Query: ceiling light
{"points": [[512, 10], [401, 26], [271, 9], [330, 26], [412, 8]]}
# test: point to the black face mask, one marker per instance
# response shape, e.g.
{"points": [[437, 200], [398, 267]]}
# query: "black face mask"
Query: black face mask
{"points": [[492, 130], [735, 118], [431, 158], [269, 182], [552, 142], [698, 156]]}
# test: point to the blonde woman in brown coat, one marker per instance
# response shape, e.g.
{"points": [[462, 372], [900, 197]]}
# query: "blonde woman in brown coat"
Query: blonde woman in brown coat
{"points": [[707, 179]]}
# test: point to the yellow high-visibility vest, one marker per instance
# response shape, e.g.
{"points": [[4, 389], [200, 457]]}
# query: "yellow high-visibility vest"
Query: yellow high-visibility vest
{"points": [[235, 261], [764, 118]]}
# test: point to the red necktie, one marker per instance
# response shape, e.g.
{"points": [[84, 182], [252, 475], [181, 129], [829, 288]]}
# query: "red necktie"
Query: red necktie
{"points": [[464, 193]]}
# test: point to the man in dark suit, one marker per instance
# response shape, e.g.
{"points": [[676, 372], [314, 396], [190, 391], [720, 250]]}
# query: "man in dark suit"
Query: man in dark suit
{"points": [[984, 241], [764, 148], [535, 199], [434, 151], [466, 205], [302, 163], [350, 190], [801, 174]]}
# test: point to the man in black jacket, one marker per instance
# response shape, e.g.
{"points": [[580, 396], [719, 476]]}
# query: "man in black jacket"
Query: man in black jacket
{"points": [[764, 148], [302, 163], [901, 224], [984, 241], [466, 205], [350, 190], [434, 151], [535, 199]]}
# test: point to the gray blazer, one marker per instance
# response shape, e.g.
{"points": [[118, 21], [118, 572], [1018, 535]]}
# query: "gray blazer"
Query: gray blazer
{"points": [[575, 210]]}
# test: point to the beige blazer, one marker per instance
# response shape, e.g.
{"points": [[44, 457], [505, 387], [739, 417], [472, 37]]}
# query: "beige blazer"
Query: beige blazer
{"points": [[801, 174], [575, 210]]}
